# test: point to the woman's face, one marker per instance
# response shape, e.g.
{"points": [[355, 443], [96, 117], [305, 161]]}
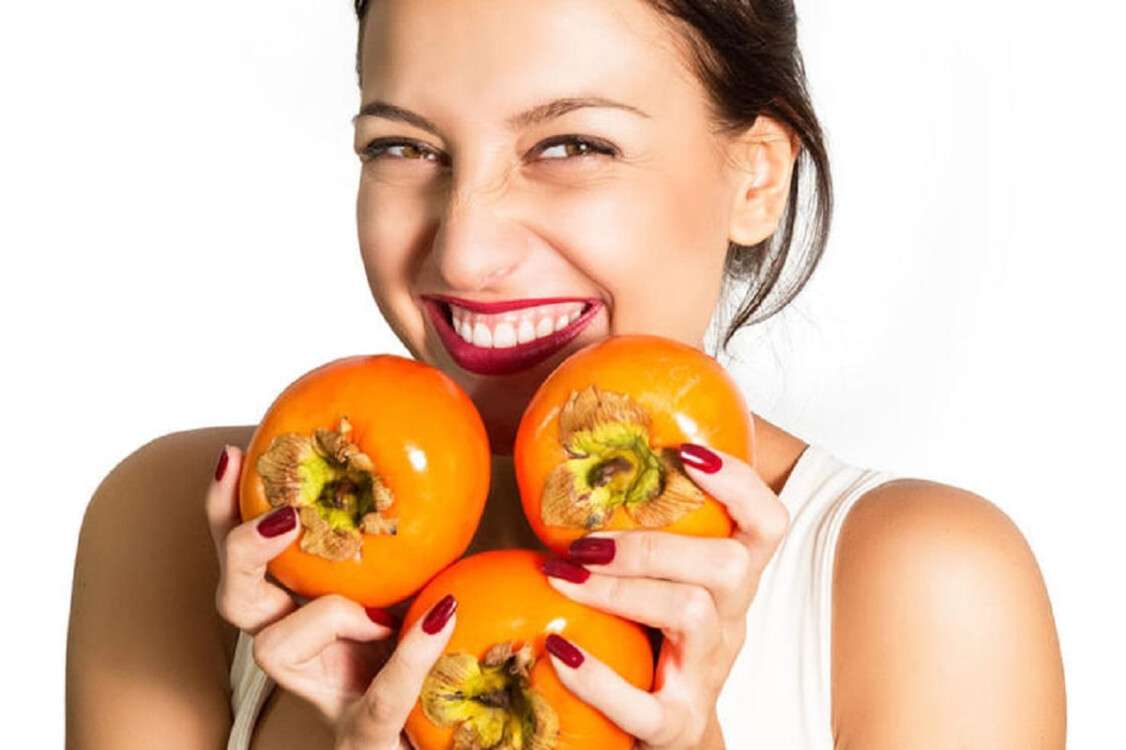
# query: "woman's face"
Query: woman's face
{"points": [[486, 206]]}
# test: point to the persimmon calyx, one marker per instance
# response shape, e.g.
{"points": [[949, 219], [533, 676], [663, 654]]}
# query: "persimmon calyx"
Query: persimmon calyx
{"points": [[611, 465], [332, 484], [490, 701]]}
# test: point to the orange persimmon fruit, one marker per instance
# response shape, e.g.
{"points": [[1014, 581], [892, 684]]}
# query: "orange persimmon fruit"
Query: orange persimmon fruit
{"points": [[597, 445], [495, 686], [386, 461]]}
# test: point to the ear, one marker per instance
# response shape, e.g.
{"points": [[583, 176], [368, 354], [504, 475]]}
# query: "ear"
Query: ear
{"points": [[762, 161]]}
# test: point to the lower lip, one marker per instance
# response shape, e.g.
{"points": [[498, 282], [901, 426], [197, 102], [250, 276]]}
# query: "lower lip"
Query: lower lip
{"points": [[489, 361]]}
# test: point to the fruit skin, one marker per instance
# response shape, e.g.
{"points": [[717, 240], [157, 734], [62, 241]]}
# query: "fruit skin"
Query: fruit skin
{"points": [[688, 395], [428, 443], [503, 596]]}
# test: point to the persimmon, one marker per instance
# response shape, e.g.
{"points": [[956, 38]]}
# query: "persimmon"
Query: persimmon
{"points": [[386, 460], [597, 445], [495, 687]]}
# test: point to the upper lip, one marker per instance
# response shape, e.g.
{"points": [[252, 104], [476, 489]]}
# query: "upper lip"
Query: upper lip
{"points": [[505, 305]]}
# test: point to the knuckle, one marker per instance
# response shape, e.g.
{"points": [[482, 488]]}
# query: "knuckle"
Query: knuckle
{"points": [[646, 552], [222, 604], [409, 662], [226, 606], [378, 709], [733, 565], [264, 650], [333, 605], [614, 589], [339, 610], [697, 610]]}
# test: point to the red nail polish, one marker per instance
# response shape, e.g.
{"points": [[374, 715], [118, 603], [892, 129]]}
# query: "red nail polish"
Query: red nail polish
{"points": [[278, 522], [381, 617], [562, 648], [557, 567], [591, 550], [439, 614], [700, 458], [222, 466]]}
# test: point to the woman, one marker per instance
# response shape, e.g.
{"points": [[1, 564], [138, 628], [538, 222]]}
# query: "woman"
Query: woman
{"points": [[620, 162]]}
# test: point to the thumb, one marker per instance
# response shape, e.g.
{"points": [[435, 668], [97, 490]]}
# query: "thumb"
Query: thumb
{"points": [[392, 694]]}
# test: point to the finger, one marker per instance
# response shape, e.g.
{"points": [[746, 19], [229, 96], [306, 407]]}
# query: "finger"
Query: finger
{"points": [[244, 597], [221, 500], [686, 611], [636, 711], [306, 632], [760, 517], [722, 566], [394, 691]]}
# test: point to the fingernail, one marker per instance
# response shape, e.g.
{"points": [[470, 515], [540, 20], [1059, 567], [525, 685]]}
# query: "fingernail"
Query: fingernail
{"points": [[591, 550], [439, 614], [557, 567], [700, 457], [564, 649], [381, 617], [222, 466], [278, 522]]}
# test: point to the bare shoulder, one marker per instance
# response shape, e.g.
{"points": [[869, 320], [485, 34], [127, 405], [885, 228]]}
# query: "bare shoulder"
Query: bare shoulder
{"points": [[146, 650], [943, 634]]}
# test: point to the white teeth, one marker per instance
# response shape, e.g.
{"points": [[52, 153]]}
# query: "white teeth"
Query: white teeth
{"points": [[527, 331], [504, 336], [513, 327], [482, 336]]}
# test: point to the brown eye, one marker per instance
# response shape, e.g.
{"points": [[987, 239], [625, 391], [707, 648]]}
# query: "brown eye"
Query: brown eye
{"points": [[380, 148], [575, 147]]}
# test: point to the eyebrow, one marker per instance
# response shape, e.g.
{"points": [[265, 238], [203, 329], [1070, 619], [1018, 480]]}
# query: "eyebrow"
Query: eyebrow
{"points": [[537, 114]]}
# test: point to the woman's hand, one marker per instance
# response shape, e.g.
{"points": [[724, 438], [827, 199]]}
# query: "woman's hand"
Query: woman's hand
{"points": [[695, 590], [330, 651]]}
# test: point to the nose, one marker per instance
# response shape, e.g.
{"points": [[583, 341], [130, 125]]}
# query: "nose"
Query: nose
{"points": [[477, 243]]}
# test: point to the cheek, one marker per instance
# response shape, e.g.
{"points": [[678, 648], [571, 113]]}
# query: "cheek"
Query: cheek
{"points": [[389, 223], [652, 238]]}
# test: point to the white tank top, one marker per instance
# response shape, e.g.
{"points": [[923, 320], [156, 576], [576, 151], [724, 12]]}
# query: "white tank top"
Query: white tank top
{"points": [[778, 692]]}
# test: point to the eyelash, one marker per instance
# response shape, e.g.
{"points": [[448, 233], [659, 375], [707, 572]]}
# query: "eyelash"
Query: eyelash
{"points": [[378, 148]]}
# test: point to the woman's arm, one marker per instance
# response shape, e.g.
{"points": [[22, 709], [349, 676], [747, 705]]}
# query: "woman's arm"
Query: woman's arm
{"points": [[147, 654], [943, 634]]}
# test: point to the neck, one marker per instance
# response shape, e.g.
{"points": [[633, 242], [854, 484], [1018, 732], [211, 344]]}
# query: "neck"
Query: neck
{"points": [[776, 452], [504, 524]]}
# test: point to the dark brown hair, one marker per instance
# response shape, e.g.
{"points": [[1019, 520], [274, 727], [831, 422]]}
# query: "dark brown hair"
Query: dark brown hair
{"points": [[746, 56]]}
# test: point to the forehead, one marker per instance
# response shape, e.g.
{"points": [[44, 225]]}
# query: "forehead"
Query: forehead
{"points": [[502, 54]]}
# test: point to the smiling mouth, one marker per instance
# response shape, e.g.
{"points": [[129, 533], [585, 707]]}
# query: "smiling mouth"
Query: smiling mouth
{"points": [[519, 326], [508, 342]]}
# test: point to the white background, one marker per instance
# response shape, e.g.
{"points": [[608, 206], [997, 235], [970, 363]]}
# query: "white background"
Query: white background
{"points": [[172, 173]]}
